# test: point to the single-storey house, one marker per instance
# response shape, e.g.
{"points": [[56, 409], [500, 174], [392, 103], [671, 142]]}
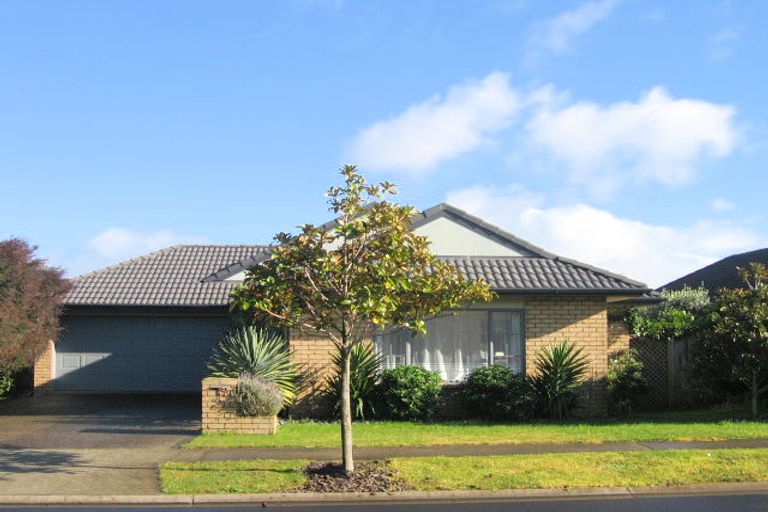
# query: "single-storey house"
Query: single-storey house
{"points": [[149, 324], [720, 274]]}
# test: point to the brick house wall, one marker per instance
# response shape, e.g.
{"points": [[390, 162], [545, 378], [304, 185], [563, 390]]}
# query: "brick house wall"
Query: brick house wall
{"points": [[583, 321], [619, 337], [312, 354]]}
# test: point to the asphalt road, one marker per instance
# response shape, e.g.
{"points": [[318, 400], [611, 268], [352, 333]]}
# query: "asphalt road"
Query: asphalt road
{"points": [[714, 503]]}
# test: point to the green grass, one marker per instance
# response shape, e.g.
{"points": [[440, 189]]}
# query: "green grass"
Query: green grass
{"points": [[706, 425], [607, 469], [252, 476]]}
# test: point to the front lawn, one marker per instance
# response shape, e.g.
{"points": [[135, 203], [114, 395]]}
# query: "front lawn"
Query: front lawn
{"points": [[608, 469], [705, 425]]}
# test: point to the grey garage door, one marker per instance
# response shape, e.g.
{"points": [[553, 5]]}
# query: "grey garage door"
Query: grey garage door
{"points": [[135, 353]]}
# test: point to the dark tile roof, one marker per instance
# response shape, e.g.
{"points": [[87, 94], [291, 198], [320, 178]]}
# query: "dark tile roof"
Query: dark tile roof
{"points": [[721, 274], [169, 277], [196, 275], [543, 275]]}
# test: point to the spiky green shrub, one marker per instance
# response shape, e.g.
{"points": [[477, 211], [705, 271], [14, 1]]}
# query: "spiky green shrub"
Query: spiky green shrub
{"points": [[255, 396], [365, 372], [257, 352], [559, 372]]}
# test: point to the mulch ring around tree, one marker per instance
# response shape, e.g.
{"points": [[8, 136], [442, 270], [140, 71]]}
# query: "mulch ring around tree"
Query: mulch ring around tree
{"points": [[368, 477]]}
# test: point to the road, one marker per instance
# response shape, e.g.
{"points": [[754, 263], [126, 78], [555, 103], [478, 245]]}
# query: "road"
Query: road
{"points": [[699, 503]]}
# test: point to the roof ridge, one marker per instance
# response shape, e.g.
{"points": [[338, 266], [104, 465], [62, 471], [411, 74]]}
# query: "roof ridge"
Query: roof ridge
{"points": [[219, 245]]}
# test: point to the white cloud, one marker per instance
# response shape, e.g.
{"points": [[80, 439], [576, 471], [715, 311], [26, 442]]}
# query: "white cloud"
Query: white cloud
{"points": [[440, 128], [653, 253], [658, 138], [721, 205], [118, 243], [558, 34]]}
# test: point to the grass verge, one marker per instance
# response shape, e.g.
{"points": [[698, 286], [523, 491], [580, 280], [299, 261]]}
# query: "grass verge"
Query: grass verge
{"points": [[705, 425], [610, 469], [248, 476]]}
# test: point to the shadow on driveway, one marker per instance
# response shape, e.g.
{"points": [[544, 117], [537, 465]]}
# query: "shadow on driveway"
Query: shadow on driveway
{"points": [[78, 421], [14, 460]]}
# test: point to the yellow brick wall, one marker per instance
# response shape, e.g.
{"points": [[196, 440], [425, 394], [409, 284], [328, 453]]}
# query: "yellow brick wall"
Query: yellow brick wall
{"points": [[312, 354], [44, 370], [580, 320], [618, 336], [219, 414]]}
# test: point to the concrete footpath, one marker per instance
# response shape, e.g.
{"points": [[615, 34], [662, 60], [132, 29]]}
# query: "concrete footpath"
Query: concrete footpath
{"points": [[106, 472], [385, 452]]}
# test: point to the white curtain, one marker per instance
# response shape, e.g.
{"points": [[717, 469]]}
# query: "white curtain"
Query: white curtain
{"points": [[457, 343]]}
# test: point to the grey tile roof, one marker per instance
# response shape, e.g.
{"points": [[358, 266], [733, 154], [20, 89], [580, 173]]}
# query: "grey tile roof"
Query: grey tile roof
{"points": [[169, 277], [721, 274], [197, 275], [543, 275]]}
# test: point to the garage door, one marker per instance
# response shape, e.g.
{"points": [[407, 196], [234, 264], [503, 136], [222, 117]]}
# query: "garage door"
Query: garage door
{"points": [[136, 354]]}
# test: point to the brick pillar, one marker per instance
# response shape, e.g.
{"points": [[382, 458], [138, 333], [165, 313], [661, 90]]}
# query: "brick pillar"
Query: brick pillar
{"points": [[44, 371], [220, 415]]}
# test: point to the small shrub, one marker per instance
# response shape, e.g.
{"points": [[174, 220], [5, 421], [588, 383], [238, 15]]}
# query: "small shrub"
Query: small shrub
{"points": [[255, 396], [559, 371], [495, 392], [365, 371], [6, 385], [625, 382], [257, 352], [410, 392]]}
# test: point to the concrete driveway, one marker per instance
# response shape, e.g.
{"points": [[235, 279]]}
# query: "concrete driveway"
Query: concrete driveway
{"points": [[91, 444]]}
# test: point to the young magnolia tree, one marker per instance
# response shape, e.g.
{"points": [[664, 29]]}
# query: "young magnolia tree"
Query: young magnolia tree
{"points": [[367, 272], [740, 331], [30, 302]]}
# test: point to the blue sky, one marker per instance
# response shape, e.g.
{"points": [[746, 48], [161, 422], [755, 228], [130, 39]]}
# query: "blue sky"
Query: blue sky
{"points": [[628, 134]]}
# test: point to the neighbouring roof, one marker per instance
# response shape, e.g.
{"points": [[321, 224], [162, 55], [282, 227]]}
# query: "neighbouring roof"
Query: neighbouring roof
{"points": [[169, 277], [721, 274], [204, 275]]}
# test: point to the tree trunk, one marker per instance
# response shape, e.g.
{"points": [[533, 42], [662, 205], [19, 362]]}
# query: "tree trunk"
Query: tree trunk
{"points": [[346, 415]]}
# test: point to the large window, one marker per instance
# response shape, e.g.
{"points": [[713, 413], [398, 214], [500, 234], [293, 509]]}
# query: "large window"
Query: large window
{"points": [[458, 342]]}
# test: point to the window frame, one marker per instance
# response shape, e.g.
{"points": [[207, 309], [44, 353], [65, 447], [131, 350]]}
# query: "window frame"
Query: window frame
{"points": [[489, 329]]}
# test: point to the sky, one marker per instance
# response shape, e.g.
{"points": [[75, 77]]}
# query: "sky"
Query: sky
{"points": [[632, 135]]}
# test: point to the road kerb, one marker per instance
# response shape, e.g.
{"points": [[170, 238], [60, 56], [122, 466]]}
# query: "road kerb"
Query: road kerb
{"points": [[404, 496]]}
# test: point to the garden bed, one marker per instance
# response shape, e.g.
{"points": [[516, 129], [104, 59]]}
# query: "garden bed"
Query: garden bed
{"points": [[551, 471]]}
